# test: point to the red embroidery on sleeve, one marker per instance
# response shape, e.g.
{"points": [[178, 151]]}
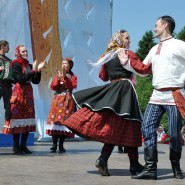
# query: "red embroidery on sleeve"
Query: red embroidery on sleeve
{"points": [[103, 73], [138, 66]]}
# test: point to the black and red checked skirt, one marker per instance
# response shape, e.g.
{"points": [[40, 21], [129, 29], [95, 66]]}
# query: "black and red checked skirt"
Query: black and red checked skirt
{"points": [[106, 123]]}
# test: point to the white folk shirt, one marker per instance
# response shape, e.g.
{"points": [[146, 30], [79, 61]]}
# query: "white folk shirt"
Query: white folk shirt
{"points": [[168, 69]]}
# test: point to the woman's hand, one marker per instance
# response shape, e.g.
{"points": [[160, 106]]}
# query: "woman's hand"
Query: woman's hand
{"points": [[41, 65], [64, 71], [68, 76], [123, 56], [58, 73], [35, 65]]}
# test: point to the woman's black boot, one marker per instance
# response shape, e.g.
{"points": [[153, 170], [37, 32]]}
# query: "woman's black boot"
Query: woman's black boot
{"points": [[61, 144], [135, 166], [24, 139], [120, 149], [55, 141], [101, 162], [16, 148]]}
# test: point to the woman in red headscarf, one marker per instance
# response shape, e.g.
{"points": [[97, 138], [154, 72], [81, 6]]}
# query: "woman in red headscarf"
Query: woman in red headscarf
{"points": [[22, 103], [62, 105]]}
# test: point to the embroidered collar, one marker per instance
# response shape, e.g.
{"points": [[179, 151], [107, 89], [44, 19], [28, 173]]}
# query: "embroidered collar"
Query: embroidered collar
{"points": [[166, 39]]}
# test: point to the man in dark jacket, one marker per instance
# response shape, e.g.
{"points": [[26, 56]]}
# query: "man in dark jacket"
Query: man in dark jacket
{"points": [[5, 77]]}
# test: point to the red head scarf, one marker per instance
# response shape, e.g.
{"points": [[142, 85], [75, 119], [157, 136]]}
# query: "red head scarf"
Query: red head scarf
{"points": [[17, 51], [71, 63], [19, 59]]}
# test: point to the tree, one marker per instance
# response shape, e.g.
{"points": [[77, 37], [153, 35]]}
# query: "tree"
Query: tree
{"points": [[144, 85], [144, 90], [181, 34], [145, 44]]}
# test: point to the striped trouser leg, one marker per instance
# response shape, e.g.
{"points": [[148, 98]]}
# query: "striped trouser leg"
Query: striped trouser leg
{"points": [[152, 116], [174, 127]]}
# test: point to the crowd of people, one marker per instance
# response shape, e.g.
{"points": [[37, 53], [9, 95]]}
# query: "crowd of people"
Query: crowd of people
{"points": [[108, 113]]}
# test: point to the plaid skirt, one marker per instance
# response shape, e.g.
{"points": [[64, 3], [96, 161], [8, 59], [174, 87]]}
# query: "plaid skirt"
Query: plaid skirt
{"points": [[105, 126]]}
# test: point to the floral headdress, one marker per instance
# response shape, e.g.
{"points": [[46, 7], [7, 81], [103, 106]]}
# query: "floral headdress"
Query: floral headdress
{"points": [[114, 46]]}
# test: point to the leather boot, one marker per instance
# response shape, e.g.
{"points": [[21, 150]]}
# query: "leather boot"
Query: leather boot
{"points": [[101, 162], [55, 141], [23, 143], [16, 148], [26, 150], [120, 149], [125, 150], [135, 166], [61, 144], [150, 168], [175, 163]]}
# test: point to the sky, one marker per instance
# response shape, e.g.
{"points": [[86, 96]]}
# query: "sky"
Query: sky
{"points": [[139, 16]]}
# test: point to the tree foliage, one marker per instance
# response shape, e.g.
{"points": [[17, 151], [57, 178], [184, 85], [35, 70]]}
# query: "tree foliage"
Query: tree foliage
{"points": [[144, 85], [144, 89], [145, 44], [181, 34]]}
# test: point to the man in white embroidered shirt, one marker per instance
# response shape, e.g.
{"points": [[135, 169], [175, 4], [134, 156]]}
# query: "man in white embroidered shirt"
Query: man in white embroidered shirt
{"points": [[166, 60]]}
